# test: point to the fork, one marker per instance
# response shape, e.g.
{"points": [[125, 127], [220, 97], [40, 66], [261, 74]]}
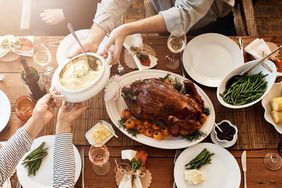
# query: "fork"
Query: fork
{"points": [[176, 155], [120, 69]]}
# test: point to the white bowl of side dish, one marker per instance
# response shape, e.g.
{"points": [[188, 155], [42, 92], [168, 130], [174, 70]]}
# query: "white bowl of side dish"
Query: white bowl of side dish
{"points": [[269, 78], [76, 81], [275, 91]]}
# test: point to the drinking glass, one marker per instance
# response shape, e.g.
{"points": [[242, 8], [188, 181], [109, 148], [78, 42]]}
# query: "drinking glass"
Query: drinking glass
{"points": [[46, 76], [99, 157], [272, 161], [175, 45]]}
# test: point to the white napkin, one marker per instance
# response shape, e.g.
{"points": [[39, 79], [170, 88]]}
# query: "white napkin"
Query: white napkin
{"points": [[126, 182], [128, 154], [257, 48], [136, 40], [137, 182]]}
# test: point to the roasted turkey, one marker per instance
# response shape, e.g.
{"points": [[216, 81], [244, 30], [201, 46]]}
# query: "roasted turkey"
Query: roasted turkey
{"points": [[156, 100]]}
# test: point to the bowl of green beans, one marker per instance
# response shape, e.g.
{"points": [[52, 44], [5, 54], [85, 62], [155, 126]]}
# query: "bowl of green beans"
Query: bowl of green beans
{"points": [[248, 89]]}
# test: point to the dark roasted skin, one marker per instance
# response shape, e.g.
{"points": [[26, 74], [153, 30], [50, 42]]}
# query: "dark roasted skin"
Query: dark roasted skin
{"points": [[155, 100]]}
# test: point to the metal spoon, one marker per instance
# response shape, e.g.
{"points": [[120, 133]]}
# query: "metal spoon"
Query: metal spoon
{"points": [[93, 65], [237, 77]]}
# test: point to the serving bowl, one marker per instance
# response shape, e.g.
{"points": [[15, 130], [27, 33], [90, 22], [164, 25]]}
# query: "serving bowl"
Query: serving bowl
{"points": [[90, 89], [274, 92], [269, 78]]}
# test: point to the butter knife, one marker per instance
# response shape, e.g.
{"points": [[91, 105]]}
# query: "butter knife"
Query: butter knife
{"points": [[244, 167], [81, 152]]}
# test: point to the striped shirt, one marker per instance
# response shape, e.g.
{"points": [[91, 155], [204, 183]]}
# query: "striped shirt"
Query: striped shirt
{"points": [[19, 144]]}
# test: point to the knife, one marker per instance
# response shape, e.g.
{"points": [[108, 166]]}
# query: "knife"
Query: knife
{"points": [[244, 167], [81, 152]]}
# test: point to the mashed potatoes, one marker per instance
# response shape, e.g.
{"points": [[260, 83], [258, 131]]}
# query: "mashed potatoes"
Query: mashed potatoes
{"points": [[193, 177], [78, 74]]}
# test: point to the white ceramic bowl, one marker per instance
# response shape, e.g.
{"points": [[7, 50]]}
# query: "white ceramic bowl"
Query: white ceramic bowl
{"points": [[270, 78], [274, 92], [234, 136], [82, 94]]}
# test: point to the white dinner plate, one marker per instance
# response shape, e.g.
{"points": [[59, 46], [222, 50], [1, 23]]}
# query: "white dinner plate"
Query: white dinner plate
{"points": [[5, 110], [223, 172], [68, 44], [209, 57], [115, 107], [44, 175]]}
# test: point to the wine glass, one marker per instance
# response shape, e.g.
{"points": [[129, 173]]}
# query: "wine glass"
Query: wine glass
{"points": [[272, 161], [175, 44], [99, 157]]}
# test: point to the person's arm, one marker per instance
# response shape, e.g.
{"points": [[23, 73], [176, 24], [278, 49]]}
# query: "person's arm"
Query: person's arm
{"points": [[108, 16], [20, 143], [64, 162]]}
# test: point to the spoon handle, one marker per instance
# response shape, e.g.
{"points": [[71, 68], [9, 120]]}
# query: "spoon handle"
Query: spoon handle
{"points": [[75, 37], [260, 61]]}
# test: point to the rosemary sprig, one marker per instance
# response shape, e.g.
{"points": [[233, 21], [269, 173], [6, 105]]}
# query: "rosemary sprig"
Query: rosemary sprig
{"points": [[195, 136]]}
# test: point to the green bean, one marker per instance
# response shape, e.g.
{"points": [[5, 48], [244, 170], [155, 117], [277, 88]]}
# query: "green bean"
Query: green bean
{"points": [[33, 161], [200, 160]]}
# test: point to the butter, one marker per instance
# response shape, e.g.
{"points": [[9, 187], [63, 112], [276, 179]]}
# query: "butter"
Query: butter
{"points": [[100, 133], [194, 176]]}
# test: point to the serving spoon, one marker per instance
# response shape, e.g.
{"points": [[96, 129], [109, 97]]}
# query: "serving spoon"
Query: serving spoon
{"points": [[92, 64], [237, 77]]}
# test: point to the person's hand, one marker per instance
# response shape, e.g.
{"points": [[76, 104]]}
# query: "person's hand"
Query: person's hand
{"points": [[52, 16], [92, 42], [67, 115], [115, 43], [43, 110], [42, 113]]}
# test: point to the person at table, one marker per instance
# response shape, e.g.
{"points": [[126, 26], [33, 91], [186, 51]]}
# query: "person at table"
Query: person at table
{"points": [[20, 143], [177, 17]]}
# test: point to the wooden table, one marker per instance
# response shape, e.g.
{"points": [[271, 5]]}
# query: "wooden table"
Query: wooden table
{"points": [[160, 161]]}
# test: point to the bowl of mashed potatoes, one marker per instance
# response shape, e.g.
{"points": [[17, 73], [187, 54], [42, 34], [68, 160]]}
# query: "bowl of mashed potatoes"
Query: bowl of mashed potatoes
{"points": [[76, 81]]}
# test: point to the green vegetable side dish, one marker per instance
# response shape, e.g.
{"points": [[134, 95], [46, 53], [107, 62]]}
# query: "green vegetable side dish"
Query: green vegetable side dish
{"points": [[245, 90], [200, 160], [33, 161]]}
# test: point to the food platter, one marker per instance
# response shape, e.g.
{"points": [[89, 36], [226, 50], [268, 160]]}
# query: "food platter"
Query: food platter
{"points": [[68, 44], [115, 107], [5, 110], [44, 176], [209, 57], [223, 171]]}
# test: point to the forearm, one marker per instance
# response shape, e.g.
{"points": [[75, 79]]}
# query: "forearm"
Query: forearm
{"points": [[154, 24], [33, 126], [64, 162], [12, 152]]}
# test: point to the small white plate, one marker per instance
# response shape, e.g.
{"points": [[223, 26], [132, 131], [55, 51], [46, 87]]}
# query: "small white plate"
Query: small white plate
{"points": [[44, 175], [223, 144], [223, 172], [209, 57], [5, 110], [275, 91], [68, 44]]}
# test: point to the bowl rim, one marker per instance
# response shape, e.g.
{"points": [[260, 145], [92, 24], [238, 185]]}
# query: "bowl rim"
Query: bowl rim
{"points": [[229, 75], [232, 125], [264, 103], [103, 63]]}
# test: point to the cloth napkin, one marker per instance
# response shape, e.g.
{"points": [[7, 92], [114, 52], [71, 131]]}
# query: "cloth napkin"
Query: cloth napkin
{"points": [[136, 40], [10, 39], [258, 48]]}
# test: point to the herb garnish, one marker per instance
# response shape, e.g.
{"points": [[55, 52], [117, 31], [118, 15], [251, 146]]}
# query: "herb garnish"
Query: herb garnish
{"points": [[195, 136]]}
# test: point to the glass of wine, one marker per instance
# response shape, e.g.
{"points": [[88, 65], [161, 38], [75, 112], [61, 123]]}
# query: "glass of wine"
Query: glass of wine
{"points": [[99, 157], [273, 161], [175, 44]]}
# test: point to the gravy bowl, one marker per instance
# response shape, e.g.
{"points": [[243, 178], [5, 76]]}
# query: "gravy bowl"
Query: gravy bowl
{"points": [[76, 81], [269, 78]]}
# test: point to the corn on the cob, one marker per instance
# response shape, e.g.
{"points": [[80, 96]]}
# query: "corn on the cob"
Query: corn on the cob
{"points": [[276, 103], [277, 116]]}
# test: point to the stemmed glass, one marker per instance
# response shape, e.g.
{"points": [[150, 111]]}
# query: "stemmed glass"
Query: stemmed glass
{"points": [[273, 161], [175, 44], [99, 157], [42, 57]]}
